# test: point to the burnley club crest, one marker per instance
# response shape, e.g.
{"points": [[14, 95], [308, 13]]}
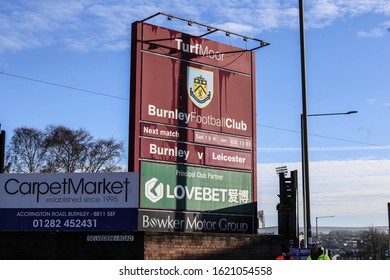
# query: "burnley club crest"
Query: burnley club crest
{"points": [[200, 86]]}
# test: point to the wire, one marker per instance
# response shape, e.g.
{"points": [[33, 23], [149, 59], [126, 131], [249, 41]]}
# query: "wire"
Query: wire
{"points": [[323, 136], [63, 86], [122, 98]]}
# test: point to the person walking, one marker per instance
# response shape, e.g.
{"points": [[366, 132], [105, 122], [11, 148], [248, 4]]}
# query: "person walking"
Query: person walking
{"points": [[317, 253], [285, 253]]}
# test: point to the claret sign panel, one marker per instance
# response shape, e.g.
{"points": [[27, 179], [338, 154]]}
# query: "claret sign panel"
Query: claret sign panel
{"points": [[196, 96], [192, 112]]}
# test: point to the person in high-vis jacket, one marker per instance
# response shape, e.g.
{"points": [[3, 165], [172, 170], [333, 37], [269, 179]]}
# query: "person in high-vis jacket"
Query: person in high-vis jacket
{"points": [[317, 253], [285, 253]]}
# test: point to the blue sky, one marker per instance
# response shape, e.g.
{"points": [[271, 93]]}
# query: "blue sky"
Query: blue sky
{"points": [[67, 62]]}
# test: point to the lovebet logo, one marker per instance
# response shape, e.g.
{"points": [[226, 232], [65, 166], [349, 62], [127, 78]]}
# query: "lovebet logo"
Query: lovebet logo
{"points": [[155, 192], [152, 192]]}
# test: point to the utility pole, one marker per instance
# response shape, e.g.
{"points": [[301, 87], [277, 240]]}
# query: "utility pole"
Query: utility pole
{"points": [[388, 211], [2, 150], [304, 134]]}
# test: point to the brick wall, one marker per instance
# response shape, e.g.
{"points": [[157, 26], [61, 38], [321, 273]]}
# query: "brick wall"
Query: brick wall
{"points": [[68, 246], [181, 246], [146, 245]]}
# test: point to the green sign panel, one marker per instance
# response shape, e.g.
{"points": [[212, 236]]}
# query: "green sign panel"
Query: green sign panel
{"points": [[179, 187]]}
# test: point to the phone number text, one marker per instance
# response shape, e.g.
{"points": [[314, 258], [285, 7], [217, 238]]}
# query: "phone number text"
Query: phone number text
{"points": [[68, 223]]}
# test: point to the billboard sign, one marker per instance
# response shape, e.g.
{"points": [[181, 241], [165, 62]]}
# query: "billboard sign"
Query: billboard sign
{"points": [[68, 201], [179, 221], [192, 107], [187, 188]]}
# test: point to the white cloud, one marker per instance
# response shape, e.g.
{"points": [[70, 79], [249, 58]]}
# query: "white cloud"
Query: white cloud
{"points": [[351, 189], [322, 13], [372, 101], [326, 149], [85, 25], [373, 33], [377, 32], [238, 27]]}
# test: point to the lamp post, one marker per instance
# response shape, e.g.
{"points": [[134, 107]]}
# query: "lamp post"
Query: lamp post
{"points": [[322, 217], [388, 213], [305, 172], [2, 150], [305, 155], [304, 132]]}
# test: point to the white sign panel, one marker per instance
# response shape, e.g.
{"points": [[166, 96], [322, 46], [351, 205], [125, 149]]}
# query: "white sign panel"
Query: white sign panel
{"points": [[69, 201], [69, 190]]}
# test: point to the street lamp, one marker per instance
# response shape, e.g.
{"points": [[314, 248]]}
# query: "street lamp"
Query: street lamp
{"points": [[322, 217], [304, 130], [388, 213], [305, 172], [2, 150], [332, 114]]}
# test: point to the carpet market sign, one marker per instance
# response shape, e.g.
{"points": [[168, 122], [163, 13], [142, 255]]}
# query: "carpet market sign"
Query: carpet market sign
{"points": [[69, 201]]}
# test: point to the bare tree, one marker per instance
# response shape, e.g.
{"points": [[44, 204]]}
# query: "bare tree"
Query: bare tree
{"points": [[61, 149], [375, 243], [27, 152], [66, 148], [103, 156]]}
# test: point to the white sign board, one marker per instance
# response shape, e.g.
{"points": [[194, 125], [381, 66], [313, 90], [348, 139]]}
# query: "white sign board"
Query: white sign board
{"points": [[69, 201]]}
